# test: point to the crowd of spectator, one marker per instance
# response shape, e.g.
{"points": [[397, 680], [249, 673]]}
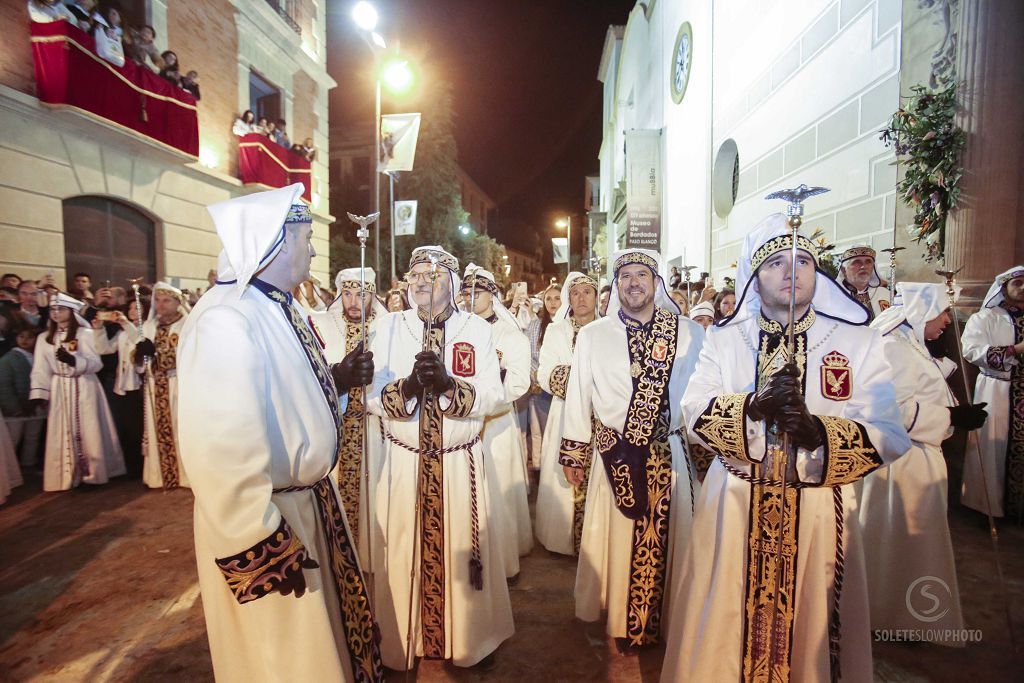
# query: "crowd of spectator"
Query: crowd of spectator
{"points": [[275, 131], [116, 42]]}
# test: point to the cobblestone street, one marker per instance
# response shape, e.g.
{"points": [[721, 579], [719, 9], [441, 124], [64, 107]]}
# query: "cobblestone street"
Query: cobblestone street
{"points": [[99, 585]]}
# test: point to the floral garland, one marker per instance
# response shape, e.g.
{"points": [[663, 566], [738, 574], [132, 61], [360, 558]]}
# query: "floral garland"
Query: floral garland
{"points": [[928, 144]]}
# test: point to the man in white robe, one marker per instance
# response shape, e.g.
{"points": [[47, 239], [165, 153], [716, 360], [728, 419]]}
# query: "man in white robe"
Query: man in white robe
{"points": [[561, 504], [156, 358], [503, 442], [836, 400], [903, 506], [442, 569], [859, 276], [339, 333], [626, 384], [283, 593], [993, 340]]}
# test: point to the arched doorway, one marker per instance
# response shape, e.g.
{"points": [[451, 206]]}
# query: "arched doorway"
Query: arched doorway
{"points": [[108, 239]]}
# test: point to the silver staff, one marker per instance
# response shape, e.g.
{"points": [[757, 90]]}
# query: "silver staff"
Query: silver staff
{"points": [[794, 218], [686, 277], [135, 282], [972, 437], [363, 232], [472, 290], [892, 251]]}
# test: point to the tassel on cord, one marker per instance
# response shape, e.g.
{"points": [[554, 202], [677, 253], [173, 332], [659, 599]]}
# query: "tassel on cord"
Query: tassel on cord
{"points": [[476, 565]]}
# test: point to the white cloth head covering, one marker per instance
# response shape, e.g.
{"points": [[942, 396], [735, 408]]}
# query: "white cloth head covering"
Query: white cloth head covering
{"points": [[251, 230], [475, 275], [166, 288], [574, 278], [348, 278], [915, 303], [66, 301], [996, 294], [444, 260], [652, 260], [855, 252], [703, 308], [768, 238]]}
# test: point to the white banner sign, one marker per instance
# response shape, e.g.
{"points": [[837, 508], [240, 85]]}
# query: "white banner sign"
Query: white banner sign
{"points": [[398, 134], [643, 189], [405, 217], [560, 249]]}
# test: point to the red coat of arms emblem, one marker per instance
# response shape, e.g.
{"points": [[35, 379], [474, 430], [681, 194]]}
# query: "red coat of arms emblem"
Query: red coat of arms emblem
{"points": [[463, 359], [660, 351], [836, 377]]}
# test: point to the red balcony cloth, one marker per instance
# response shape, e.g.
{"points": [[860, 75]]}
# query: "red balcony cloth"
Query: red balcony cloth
{"points": [[262, 161], [69, 73]]}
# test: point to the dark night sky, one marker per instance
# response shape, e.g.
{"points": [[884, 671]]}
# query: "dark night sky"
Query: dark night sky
{"points": [[526, 96]]}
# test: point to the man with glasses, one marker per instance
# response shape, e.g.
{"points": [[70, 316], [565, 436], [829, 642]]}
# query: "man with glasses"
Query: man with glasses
{"points": [[437, 379]]}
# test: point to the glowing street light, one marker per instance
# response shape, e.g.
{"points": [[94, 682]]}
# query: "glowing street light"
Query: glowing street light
{"points": [[464, 229], [397, 75], [365, 16]]}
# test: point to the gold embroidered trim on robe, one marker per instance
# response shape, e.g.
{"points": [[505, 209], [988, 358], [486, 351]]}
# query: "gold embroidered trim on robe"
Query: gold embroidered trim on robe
{"points": [[259, 570], [432, 545], [766, 533], [722, 426], [763, 539], [463, 398], [701, 458], [393, 401], [163, 420], [648, 561], [353, 598], [559, 380], [574, 453], [849, 455], [1013, 489], [350, 445]]}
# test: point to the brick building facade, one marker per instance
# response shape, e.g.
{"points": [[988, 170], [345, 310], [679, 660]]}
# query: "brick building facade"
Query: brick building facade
{"points": [[79, 192]]}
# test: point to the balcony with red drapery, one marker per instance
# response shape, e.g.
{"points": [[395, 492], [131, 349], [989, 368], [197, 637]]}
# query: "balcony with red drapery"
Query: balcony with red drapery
{"points": [[264, 162], [70, 74]]}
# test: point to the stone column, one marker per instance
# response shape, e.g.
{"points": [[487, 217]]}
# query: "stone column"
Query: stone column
{"points": [[985, 236]]}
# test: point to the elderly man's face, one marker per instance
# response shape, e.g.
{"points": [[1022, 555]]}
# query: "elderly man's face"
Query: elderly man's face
{"points": [[858, 271], [419, 283], [166, 305]]}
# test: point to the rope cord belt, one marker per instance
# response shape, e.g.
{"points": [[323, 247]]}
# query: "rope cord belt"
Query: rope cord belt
{"points": [[476, 565], [302, 487]]}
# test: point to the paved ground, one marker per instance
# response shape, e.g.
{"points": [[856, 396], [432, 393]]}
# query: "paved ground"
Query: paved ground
{"points": [[99, 585]]}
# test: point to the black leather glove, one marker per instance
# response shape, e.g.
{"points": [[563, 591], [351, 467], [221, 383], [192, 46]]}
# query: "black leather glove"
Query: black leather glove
{"points": [[296, 582], [968, 416], [802, 427], [778, 391], [65, 357], [354, 370], [431, 373], [144, 348]]}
